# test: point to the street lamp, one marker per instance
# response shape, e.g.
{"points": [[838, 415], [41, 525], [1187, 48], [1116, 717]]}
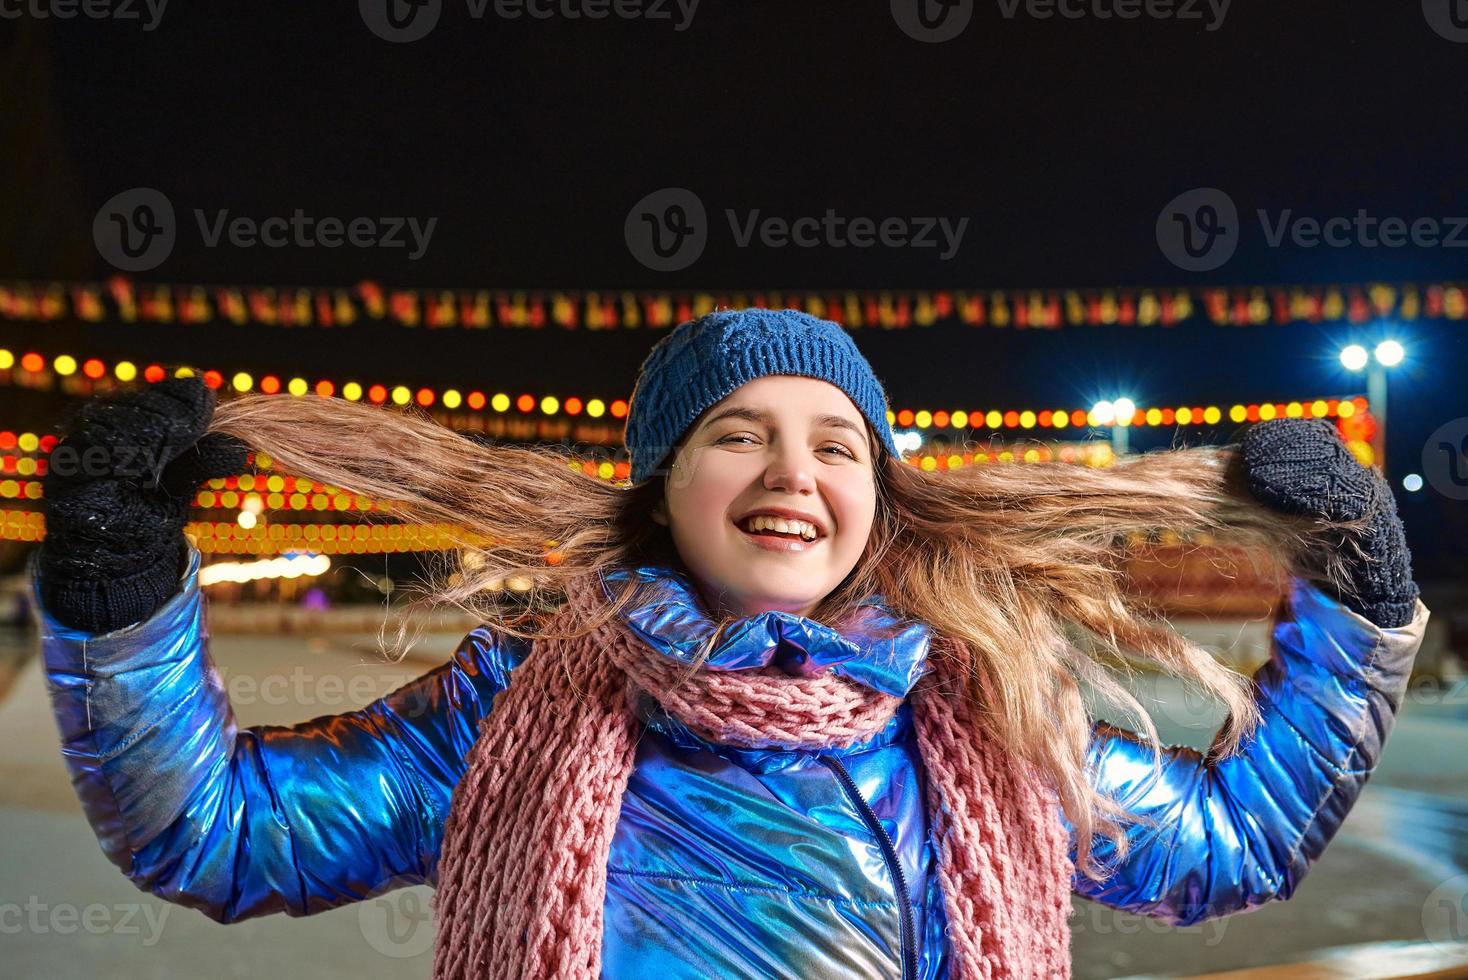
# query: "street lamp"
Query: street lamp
{"points": [[1118, 415], [1387, 354]]}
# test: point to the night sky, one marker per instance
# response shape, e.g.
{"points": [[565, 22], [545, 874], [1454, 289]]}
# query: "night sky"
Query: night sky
{"points": [[1059, 140]]}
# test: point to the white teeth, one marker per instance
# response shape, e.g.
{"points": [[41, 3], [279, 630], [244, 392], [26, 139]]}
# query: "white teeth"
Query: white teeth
{"points": [[763, 522]]}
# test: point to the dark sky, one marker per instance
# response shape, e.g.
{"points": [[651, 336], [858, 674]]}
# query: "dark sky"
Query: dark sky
{"points": [[529, 140]]}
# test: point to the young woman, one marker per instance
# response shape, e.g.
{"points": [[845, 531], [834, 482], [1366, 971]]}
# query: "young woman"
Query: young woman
{"points": [[784, 706]]}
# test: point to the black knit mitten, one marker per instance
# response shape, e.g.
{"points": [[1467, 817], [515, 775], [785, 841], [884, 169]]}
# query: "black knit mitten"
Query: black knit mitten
{"points": [[116, 492], [1301, 467]]}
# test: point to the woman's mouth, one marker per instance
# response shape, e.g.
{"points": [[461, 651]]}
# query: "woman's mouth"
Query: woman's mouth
{"points": [[771, 540]]}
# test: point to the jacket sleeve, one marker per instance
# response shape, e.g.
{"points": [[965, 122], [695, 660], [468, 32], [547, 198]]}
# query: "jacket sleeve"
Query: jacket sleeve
{"points": [[244, 822], [1232, 834]]}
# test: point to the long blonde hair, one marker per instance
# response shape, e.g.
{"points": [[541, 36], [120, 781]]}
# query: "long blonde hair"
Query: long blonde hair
{"points": [[1005, 562]]}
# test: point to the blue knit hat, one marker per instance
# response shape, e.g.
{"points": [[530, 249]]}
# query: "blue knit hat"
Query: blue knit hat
{"points": [[703, 361]]}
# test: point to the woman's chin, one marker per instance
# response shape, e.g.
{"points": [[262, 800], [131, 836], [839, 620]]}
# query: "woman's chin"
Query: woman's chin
{"points": [[796, 604]]}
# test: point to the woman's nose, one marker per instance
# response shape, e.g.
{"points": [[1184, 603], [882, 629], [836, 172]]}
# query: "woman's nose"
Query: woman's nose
{"points": [[790, 470]]}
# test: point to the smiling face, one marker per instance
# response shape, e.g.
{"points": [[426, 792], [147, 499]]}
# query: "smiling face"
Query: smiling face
{"points": [[781, 442]]}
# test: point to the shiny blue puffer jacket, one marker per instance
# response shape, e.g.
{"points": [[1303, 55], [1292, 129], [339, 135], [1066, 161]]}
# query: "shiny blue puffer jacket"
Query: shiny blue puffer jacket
{"points": [[725, 862]]}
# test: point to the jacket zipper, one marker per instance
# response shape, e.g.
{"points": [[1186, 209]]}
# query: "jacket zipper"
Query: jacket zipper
{"points": [[889, 853]]}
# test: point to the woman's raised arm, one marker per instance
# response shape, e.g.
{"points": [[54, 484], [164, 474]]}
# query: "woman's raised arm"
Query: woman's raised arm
{"points": [[244, 822], [235, 823], [1232, 833], [1235, 833]]}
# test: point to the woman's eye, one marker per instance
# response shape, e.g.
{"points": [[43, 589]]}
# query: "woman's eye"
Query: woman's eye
{"points": [[842, 450]]}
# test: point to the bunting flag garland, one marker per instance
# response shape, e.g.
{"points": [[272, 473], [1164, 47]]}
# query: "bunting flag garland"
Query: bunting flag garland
{"points": [[120, 300]]}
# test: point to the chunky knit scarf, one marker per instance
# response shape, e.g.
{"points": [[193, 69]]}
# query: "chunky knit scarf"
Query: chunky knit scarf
{"points": [[523, 872]]}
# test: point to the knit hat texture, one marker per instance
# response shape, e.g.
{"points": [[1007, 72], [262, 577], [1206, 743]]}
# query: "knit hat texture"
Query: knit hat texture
{"points": [[703, 361]]}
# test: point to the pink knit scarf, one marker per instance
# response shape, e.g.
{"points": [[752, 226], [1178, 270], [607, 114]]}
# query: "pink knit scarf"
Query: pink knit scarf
{"points": [[522, 876]]}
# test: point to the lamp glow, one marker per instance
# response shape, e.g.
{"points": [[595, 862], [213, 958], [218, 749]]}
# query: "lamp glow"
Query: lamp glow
{"points": [[1354, 357], [1390, 353]]}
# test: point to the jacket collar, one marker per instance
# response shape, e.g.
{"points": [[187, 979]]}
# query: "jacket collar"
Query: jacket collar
{"points": [[875, 648]]}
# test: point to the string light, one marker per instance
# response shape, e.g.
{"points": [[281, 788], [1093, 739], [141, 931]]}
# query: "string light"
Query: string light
{"points": [[229, 538], [287, 566], [1102, 414]]}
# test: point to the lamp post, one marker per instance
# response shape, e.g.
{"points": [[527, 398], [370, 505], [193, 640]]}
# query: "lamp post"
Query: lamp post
{"points": [[1388, 354], [1118, 415]]}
